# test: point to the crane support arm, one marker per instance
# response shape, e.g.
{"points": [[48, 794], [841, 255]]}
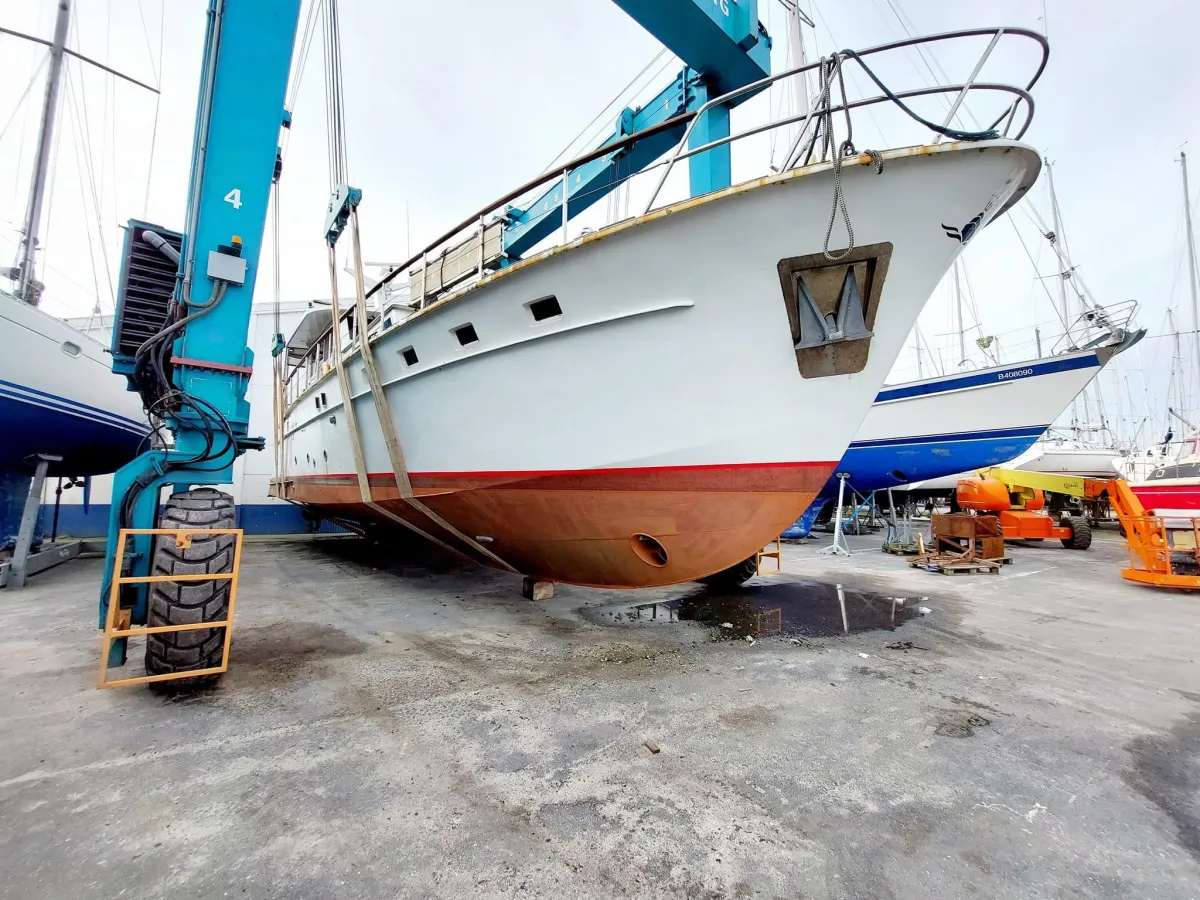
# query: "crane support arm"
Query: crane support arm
{"points": [[721, 39], [593, 181], [725, 48]]}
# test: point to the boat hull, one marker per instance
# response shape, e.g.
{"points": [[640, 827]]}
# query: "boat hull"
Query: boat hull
{"points": [[924, 436], [58, 396], [580, 527], [1083, 461], [943, 426], [1170, 497], [669, 398]]}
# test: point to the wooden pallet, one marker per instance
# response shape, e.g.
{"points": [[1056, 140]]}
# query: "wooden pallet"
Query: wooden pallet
{"points": [[898, 549], [955, 566]]}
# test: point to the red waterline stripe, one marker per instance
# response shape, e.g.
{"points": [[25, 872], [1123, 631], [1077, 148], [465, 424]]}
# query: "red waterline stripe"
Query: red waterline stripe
{"points": [[631, 470]]}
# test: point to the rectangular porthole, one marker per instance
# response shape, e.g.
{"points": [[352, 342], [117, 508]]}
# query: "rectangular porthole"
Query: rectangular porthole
{"points": [[466, 334], [546, 308], [324, 402], [409, 355], [318, 402]]}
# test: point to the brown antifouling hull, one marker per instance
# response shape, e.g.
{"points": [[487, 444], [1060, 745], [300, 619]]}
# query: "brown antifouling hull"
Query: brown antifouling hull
{"points": [[620, 529]]}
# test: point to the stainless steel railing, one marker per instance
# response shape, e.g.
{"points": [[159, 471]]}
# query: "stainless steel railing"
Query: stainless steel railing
{"points": [[816, 125]]}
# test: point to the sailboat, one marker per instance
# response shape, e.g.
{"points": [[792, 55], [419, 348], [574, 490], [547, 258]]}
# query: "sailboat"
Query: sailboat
{"points": [[920, 437], [1172, 489], [59, 400], [629, 409]]}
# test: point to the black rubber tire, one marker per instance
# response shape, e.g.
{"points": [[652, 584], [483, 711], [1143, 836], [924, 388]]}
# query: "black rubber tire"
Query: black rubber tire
{"points": [[1081, 533], [734, 576], [190, 601]]}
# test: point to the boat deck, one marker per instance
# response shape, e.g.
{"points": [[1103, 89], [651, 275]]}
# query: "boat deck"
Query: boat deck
{"points": [[412, 729]]}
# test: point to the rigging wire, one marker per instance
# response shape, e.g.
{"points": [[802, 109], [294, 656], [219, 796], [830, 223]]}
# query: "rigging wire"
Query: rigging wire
{"points": [[149, 48], [42, 10], [24, 95], [631, 100], [83, 140], [1049, 296], [315, 8], [605, 108], [70, 96], [162, 21], [853, 77]]}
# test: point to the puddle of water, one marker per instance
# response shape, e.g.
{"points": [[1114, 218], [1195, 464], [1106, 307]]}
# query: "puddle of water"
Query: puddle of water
{"points": [[793, 608]]}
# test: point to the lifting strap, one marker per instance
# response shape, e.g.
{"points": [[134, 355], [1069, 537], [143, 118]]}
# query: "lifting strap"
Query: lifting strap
{"points": [[387, 425], [360, 462]]}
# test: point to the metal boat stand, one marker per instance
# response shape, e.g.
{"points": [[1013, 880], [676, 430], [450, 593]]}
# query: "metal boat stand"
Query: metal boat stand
{"points": [[25, 561], [837, 548]]}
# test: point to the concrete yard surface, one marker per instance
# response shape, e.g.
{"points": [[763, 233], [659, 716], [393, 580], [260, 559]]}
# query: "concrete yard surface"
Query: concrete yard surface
{"points": [[403, 728]]}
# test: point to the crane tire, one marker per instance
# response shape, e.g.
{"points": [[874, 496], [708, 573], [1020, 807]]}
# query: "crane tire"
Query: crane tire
{"points": [[177, 603], [734, 576], [1081, 534]]}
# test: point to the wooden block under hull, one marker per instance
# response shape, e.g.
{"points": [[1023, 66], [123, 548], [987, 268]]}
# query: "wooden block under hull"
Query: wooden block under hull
{"points": [[590, 537]]}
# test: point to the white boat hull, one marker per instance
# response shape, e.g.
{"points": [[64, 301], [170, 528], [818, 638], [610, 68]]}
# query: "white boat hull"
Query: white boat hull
{"points": [[58, 396], [667, 399]]}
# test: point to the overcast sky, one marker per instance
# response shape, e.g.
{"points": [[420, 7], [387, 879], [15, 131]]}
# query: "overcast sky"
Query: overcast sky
{"points": [[449, 104]]}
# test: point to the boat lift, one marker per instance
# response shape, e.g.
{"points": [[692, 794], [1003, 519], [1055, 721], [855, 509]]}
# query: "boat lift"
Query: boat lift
{"points": [[1163, 552], [183, 305]]}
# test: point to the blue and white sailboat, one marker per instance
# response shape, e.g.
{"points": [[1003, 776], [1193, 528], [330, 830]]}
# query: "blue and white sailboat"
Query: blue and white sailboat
{"points": [[960, 422]]}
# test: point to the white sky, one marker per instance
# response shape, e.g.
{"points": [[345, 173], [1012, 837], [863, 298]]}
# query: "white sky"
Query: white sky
{"points": [[449, 104]]}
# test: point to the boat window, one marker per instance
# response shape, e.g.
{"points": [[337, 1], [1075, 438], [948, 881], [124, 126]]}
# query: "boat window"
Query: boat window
{"points": [[317, 400], [71, 349], [410, 356], [466, 334], [546, 308], [324, 402]]}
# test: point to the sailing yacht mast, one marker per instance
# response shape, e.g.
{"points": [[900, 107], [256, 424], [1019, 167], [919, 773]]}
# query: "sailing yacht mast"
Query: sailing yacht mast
{"points": [[1059, 243], [28, 289], [1191, 251], [797, 55], [1058, 249], [962, 343]]}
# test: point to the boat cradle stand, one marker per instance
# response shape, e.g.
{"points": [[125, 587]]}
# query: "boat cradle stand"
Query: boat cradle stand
{"points": [[25, 560]]}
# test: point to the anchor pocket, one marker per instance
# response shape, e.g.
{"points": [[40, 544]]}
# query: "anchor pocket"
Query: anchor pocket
{"points": [[831, 308]]}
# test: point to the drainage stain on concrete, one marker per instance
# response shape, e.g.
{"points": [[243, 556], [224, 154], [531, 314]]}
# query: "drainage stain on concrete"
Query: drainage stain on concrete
{"points": [[1166, 771], [285, 649], [794, 608]]}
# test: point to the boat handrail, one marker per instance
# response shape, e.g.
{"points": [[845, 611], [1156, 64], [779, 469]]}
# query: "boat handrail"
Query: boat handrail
{"points": [[963, 90], [798, 154]]}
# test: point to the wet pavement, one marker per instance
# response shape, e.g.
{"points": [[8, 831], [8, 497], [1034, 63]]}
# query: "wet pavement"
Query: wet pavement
{"points": [[401, 726]]}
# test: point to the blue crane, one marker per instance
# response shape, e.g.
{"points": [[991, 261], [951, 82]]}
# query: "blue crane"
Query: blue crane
{"points": [[183, 315], [724, 47]]}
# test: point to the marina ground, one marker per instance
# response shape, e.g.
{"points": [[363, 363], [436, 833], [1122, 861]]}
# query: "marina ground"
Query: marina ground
{"points": [[417, 730]]}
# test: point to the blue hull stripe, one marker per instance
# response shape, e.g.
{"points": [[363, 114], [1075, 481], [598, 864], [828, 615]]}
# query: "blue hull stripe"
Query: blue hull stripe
{"points": [[21, 393], [990, 376], [1030, 431]]}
